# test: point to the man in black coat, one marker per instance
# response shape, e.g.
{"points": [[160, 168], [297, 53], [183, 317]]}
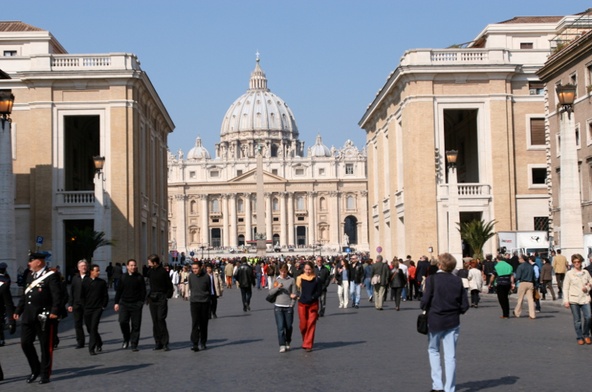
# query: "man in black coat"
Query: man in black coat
{"points": [[38, 310], [161, 289], [322, 273], [246, 281], [6, 306], [76, 306], [96, 298], [200, 287], [129, 301]]}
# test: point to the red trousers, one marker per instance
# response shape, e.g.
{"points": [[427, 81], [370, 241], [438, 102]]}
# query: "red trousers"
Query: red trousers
{"points": [[308, 315]]}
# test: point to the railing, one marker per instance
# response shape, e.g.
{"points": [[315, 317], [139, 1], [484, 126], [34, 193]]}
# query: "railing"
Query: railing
{"points": [[68, 62], [460, 56], [468, 190], [77, 198]]}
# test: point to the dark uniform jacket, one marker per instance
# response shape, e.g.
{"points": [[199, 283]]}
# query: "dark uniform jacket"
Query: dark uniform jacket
{"points": [[45, 296], [76, 290], [94, 294], [132, 288], [323, 276], [160, 282], [6, 304]]}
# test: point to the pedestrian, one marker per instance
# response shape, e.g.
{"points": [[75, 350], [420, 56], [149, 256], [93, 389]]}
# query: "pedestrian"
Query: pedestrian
{"points": [[380, 279], [175, 279], [38, 312], [200, 289], [397, 281], [412, 282], [117, 274], [503, 279], [322, 273], [76, 306], [183, 278], [6, 306], [368, 279], [547, 279], [129, 302], [342, 274], [95, 298], [576, 290], [161, 289], [560, 268], [285, 291], [309, 288], [421, 272], [475, 278], [525, 276], [246, 281], [356, 281], [216, 291], [109, 271], [444, 299], [228, 272]]}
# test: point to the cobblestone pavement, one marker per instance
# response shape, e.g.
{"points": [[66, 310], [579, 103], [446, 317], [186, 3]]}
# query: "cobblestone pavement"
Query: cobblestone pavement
{"points": [[355, 350]]}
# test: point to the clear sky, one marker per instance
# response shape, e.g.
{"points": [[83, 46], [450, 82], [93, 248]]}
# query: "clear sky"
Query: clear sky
{"points": [[325, 58]]}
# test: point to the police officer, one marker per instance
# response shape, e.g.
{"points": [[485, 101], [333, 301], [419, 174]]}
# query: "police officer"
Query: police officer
{"points": [[38, 310]]}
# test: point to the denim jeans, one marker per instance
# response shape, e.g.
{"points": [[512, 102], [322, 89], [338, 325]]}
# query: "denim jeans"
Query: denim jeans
{"points": [[369, 287], [284, 317], [448, 339], [582, 327], [355, 291]]}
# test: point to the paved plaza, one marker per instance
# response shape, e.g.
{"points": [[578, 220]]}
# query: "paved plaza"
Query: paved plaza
{"points": [[355, 350]]}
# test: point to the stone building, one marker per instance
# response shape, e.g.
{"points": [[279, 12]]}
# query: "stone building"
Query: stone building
{"points": [[314, 197], [485, 101], [69, 108]]}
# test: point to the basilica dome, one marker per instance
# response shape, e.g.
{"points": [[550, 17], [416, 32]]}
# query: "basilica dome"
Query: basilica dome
{"points": [[198, 152], [258, 114], [319, 150]]}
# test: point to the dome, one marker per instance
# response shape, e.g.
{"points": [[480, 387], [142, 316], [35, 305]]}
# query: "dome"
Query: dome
{"points": [[198, 152], [258, 110], [319, 149]]}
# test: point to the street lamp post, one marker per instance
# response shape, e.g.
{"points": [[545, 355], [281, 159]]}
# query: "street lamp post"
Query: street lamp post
{"points": [[571, 240], [7, 185], [202, 250], [454, 240], [99, 210]]}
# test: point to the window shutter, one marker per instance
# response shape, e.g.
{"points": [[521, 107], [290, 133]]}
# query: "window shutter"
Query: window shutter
{"points": [[537, 131]]}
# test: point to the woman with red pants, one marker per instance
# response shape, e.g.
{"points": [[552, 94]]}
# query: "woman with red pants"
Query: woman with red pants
{"points": [[309, 288]]}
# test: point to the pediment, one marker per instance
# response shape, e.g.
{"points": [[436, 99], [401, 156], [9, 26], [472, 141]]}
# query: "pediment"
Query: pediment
{"points": [[250, 177]]}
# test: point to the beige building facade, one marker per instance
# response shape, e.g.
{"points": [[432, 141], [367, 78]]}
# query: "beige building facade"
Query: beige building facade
{"points": [[69, 108], [570, 149], [314, 198], [482, 99]]}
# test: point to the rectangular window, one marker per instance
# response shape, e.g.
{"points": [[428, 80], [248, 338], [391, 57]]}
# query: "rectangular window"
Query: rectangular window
{"points": [[536, 88], [537, 131], [9, 53], [274, 172], [299, 171], [191, 174], [349, 168], [538, 175], [214, 173], [276, 219], [241, 220], [239, 173], [541, 223], [321, 171], [526, 45]]}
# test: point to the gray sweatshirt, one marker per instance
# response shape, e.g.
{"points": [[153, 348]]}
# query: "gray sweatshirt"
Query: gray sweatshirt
{"points": [[288, 287]]}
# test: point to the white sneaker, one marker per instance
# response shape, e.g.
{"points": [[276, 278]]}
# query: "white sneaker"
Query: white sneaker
{"points": [[282, 349], [287, 347], [340, 306]]}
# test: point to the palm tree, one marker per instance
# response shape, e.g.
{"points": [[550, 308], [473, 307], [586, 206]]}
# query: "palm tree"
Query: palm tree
{"points": [[86, 241], [476, 233]]}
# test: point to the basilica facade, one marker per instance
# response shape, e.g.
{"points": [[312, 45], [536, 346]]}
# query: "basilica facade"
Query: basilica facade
{"points": [[314, 197]]}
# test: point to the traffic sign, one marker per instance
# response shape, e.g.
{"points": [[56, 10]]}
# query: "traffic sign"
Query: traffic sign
{"points": [[379, 249], [39, 240]]}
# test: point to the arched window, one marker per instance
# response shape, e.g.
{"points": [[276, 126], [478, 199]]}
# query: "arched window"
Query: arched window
{"points": [[300, 203], [215, 205], [350, 203], [240, 205], [275, 204], [323, 204], [193, 206]]}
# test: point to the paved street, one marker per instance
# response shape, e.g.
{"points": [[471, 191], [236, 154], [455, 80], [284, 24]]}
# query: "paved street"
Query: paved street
{"points": [[355, 350]]}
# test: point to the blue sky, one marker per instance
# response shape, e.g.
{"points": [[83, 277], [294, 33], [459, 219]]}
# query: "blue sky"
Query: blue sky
{"points": [[325, 58]]}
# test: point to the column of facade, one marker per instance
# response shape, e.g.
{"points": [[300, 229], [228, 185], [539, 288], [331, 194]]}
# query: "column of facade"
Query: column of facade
{"points": [[283, 222], [268, 217], [233, 234], [180, 221], [312, 232], [363, 221], [225, 230], [291, 219], [248, 218], [335, 225], [204, 215]]}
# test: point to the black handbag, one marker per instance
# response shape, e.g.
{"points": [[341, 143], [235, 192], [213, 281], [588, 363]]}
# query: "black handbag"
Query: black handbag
{"points": [[422, 323], [272, 297]]}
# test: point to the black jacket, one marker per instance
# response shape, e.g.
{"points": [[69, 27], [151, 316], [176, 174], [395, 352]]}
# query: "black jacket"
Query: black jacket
{"points": [[323, 276], [132, 288], [76, 290], [160, 281], [94, 294], [46, 296]]}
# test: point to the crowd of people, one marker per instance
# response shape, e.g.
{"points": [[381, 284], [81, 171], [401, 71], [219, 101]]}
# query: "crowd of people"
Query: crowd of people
{"points": [[295, 283]]}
